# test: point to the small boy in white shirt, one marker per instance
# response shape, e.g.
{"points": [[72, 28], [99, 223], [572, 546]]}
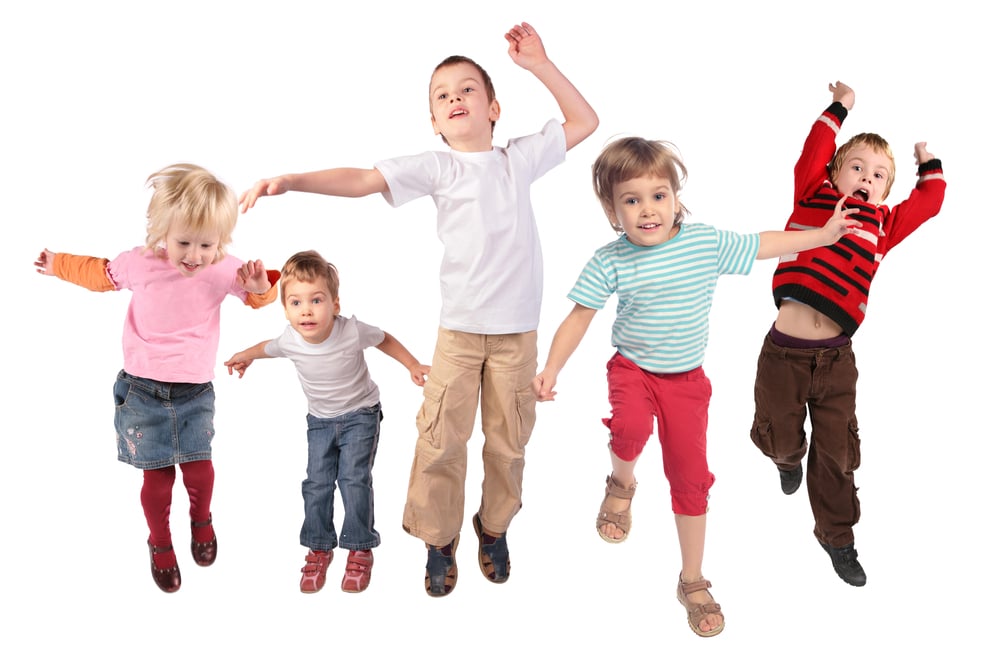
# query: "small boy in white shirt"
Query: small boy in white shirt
{"points": [[344, 414]]}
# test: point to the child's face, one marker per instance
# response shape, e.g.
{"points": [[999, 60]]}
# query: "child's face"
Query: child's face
{"points": [[190, 252], [864, 175], [460, 108], [310, 309], [645, 209]]}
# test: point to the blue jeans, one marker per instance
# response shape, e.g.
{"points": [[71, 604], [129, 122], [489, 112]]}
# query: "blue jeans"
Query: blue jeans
{"points": [[341, 449]]}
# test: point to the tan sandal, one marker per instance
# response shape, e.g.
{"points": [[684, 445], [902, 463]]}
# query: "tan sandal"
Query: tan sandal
{"points": [[620, 520], [698, 612]]}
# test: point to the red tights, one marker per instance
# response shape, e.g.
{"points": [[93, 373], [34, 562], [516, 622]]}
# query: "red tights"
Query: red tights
{"points": [[157, 488]]}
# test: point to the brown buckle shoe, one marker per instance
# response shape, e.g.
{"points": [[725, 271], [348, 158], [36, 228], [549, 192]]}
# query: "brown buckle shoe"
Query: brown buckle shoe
{"points": [[204, 553], [314, 571], [168, 579], [358, 573]]}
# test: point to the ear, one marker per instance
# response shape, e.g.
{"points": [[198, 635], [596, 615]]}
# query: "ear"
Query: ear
{"points": [[435, 126], [494, 111], [336, 306], [610, 212]]}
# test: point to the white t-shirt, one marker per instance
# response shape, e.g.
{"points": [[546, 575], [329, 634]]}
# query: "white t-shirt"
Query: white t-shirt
{"points": [[333, 373], [491, 272]]}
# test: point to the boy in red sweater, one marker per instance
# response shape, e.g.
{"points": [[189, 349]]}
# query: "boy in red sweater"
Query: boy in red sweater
{"points": [[806, 362]]}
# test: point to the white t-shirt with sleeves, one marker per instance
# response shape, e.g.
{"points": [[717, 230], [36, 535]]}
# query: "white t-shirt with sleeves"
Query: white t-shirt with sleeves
{"points": [[333, 373], [491, 271]]}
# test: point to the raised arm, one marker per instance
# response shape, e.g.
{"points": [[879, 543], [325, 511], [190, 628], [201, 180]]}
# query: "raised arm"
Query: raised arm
{"points": [[242, 360], [776, 244], [842, 93], [395, 349], [526, 50], [564, 343], [337, 182]]}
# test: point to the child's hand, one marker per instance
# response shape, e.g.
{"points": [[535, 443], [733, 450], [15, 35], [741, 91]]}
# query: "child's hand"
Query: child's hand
{"points": [[843, 93], [263, 188], [419, 374], [839, 224], [525, 48], [238, 363], [543, 384], [44, 262], [253, 277], [921, 153]]}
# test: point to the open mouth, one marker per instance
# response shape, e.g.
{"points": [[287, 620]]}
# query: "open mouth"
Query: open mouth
{"points": [[649, 225], [458, 112], [861, 194]]}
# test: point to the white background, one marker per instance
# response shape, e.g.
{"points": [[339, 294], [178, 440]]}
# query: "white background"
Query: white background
{"points": [[97, 95]]}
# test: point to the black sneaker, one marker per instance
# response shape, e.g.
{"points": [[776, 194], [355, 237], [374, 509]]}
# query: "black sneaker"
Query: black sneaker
{"points": [[845, 563], [790, 479]]}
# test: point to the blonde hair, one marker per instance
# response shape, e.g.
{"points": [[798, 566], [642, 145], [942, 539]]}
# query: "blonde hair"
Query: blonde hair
{"points": [[872, 141], [189, 195], [635, 157], [309, 266]]}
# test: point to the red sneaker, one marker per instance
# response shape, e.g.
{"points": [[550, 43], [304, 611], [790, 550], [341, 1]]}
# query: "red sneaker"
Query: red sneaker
{"points": [[358, 573], [314, 571]]}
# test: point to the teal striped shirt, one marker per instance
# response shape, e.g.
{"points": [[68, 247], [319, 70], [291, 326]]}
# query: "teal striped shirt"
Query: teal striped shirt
{"points": [[664, 292]]}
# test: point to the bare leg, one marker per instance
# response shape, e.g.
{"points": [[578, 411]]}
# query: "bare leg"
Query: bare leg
{"points": [[623, 472], [691, 534]]}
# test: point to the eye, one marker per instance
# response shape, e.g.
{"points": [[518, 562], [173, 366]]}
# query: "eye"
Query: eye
{"points": [[467, 89], [880, 176], [442, 96], [631, 201], [317, 300], [856, 167], [659, 196], [294, 302]]}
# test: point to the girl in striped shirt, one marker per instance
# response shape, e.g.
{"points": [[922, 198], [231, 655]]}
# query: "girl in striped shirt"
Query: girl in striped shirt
{"points": [[664, 271]]}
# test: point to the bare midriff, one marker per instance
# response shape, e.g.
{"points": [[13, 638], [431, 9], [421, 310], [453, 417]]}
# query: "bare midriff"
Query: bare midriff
{"points": [[801, 321]]}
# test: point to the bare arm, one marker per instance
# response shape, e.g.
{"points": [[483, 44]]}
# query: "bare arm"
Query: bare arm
{"points": [[242, 360], [564, 343], [527, 51], [776, 244], [395, 349], [338, 182]]}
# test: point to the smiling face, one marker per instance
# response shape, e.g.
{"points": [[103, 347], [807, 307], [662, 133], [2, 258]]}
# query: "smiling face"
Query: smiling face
{"points": [[462, 110], [865, 174], [190, 251], [310, 308], [645, 209]]}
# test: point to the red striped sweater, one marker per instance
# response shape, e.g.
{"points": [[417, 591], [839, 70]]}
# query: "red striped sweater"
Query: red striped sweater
{"points": [[835, 280]]}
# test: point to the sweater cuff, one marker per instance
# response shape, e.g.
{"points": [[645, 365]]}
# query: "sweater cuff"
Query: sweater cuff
{"points": [[837, 109], [259, 300]]}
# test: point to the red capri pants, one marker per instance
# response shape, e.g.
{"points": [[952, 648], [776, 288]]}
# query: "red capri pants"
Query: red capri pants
{"points": [[679, 401]]}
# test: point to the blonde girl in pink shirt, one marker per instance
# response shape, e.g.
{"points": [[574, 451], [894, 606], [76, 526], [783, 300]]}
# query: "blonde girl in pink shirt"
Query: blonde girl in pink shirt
{"points": [[164, 400]]}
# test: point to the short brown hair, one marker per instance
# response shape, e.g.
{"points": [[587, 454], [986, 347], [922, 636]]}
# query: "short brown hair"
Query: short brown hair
{"points": [[309, 266], [491, 94], [635, 157]]}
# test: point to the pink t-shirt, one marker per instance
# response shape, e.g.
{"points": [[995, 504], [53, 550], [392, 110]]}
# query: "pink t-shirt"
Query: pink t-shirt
{"points": [[171, 329]]}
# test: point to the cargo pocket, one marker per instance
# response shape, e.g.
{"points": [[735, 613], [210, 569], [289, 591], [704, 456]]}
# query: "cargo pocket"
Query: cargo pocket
{"points": [[429, 422], [526, 402], [763, 436]]}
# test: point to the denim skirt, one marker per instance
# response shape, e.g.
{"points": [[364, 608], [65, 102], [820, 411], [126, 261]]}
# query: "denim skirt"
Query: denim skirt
{"points": [[160, 424]]}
